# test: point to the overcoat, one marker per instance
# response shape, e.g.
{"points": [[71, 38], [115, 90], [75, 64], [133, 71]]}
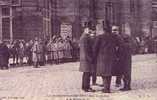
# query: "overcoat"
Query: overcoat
{"points": [[4, 54], [105, 53], [124, 55], [86, 54]]}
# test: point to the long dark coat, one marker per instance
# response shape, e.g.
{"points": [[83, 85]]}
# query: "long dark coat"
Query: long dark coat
{"points": [[124, 55], [5, 55], [1, 53], [105, 53], [86, 54]]}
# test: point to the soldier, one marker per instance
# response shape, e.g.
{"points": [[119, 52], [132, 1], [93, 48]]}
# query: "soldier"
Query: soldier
{"points": [[86, 60]]}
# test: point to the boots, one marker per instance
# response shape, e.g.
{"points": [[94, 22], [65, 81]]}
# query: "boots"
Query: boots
{"points": [[107, 82], [127, 81]]}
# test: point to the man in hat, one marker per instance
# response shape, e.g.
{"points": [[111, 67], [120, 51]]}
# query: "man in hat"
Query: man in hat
{"points": [[86, 60], [105, 55]]}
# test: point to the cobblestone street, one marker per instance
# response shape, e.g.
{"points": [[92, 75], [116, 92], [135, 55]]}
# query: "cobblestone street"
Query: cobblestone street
{"points": [[63, 82]]}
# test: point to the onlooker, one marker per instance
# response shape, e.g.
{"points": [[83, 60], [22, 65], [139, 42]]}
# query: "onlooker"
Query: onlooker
{"points": [[1, 53], [75, 50], [15, 52], [28, 51], [68, 49], [21, 52], [41, 53], [36, 53], [5, 55], [61, 50]]}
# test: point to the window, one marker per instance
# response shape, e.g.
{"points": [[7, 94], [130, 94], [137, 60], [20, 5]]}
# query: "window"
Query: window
{"points": [[154, 24], [5, 11], [6, 28], [16, 2]]}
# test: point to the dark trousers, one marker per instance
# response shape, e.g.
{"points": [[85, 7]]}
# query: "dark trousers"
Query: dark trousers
{"points": [[127, 81], [5, 63], [107, 83], [36, 64], [93, 75], [118, 79], [30, 62], [86, 80], [15, 58]]}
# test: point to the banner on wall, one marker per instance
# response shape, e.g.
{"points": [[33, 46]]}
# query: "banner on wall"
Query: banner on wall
{"points": [[66, 30]]}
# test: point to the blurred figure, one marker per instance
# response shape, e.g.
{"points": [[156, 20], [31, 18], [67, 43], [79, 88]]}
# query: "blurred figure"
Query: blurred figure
{"points": [[68, 49], [61, 50], [49, 52], [15, 52], [42, 50], [36, 53], [55, 52], [1, 53], [21, 52], [29, 53], [4, 52], [75, 50]]}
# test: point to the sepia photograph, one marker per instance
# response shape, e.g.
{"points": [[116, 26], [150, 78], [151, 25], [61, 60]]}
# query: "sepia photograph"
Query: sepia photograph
{"points": [[78, 49]]}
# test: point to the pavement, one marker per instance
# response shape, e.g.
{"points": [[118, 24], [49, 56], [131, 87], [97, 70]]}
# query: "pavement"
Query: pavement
{"points": [[63, 82]]}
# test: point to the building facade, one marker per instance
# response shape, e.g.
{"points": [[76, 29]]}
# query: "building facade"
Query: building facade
{"points": [[26, 19]]}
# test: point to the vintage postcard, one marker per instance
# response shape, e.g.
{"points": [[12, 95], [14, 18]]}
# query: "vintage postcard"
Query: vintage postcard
{"points": [[78, 49]]}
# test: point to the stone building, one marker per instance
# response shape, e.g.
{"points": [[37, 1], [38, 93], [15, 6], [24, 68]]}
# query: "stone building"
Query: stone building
{"points": [[25, 19]]}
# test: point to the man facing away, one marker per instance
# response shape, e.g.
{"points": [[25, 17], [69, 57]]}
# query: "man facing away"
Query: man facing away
{"points": [[105, 55], [86, 60]]}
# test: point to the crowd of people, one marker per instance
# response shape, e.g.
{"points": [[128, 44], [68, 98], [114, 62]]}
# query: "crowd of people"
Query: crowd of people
{"points": [[105, 55], [38, 52]]}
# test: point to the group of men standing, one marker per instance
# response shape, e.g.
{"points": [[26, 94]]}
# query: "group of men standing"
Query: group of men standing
{"points": [[105, 55]]}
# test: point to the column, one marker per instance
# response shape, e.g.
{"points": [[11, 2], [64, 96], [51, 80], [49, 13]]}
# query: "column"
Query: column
{"points": [[0, 23], [50, 18], [126, 17], [146, 20], [11, 24]]}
